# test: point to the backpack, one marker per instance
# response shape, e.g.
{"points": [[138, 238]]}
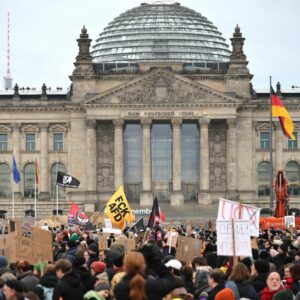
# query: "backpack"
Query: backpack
{"points": [[47, 292]]}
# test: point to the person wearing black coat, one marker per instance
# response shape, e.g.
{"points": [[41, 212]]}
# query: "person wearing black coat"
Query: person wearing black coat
{"points": [[69, 286], [47, 283], [260, 271], [136, 282], [216, 280]]}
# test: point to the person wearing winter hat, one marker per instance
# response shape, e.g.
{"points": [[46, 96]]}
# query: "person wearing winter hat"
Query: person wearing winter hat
{"points": [[225, 294], [5, 272], [97, 267], [74, 237], [13, 289]]}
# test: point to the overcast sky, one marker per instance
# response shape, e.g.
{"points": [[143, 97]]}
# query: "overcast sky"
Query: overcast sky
{"points": [[44, 33]]}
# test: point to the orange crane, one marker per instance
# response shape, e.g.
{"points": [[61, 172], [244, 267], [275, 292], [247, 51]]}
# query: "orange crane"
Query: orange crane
{"points": [[282, 197]]}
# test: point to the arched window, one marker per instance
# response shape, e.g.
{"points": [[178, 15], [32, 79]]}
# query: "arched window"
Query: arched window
{"points": [[29, 180], [263, 178], [55, 168], [292, 173], [5, 176]]}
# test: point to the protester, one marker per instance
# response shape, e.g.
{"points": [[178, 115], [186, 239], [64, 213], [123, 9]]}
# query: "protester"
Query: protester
{"points": [[216, 280], [68, 286], [136, 285], [273, 286], [259, 272], [13, 289], [26, 276], [5, 272]]}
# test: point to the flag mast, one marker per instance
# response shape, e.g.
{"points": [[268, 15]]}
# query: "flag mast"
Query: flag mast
{"points": [[13, 199], [57, 188], [271, 149]]}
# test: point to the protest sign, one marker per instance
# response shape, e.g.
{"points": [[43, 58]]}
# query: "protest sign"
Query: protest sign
{"points": [[229, 210], [108, 223], [27, 224], [234, 243], [129, 244], [289, 221], [188, 248], [36, 248]]}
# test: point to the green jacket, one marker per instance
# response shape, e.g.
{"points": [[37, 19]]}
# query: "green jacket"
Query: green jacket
{"points": [[92, 295]]}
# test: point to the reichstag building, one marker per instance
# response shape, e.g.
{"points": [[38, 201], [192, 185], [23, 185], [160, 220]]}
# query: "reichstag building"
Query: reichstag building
{"points": [[160, 104]]}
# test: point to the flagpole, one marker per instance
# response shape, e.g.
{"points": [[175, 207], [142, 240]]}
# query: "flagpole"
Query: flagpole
{"points": [[35, 212], [13, 200], [271, 149], [56, 191]]}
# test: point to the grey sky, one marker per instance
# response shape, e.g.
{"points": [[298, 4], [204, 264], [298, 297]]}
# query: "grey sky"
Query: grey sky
{"points": [[44, 33]]}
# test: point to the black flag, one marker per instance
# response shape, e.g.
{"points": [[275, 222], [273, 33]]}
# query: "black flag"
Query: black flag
{"points": [[138, 226], [154, 214], [66, 180]]}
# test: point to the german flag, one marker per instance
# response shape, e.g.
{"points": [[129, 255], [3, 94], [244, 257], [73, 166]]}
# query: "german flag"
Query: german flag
{"points": [[278, 110], [36, 172]]}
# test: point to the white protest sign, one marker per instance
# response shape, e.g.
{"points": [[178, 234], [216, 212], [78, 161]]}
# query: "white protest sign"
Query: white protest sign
{"points": [[229, 210], [112, 230], [242, 242], [108, 223], [289, 221]]}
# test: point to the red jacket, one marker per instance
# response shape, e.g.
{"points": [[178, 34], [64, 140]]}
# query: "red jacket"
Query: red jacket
{"points": [[267, 294]]}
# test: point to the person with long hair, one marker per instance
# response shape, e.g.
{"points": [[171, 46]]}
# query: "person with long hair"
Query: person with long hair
{"points": [[136, 285]]}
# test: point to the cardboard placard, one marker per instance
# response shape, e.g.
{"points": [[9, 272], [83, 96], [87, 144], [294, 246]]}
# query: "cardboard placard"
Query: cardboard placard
{"points": [[129, 244], [188, 248], [36, 248]]}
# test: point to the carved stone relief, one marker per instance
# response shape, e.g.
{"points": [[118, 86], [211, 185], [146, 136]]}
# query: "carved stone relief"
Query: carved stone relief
{"points": [[161, 89], [105, 156], [217, 159]]}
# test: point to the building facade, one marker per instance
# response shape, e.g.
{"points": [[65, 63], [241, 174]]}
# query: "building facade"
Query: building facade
{"points": [[164, 112]]}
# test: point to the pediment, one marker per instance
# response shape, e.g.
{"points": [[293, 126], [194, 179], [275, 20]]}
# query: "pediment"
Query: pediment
{"points": [[4, 128], [57, 128], [29, 128], [162, 86]]}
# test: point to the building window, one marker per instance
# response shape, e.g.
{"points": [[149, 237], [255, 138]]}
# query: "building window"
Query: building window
{"points": [[265, 140], [293, 144], [190, 160], [58, 139], [133, 176], [3, 142], [162, 156], [30, 142], [5, 176], [61, 190], [29, 180], [263, 178], [292, 173]]}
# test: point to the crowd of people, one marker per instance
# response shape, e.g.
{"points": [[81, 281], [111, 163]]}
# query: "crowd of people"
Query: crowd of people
{"points": [[82, 270]]}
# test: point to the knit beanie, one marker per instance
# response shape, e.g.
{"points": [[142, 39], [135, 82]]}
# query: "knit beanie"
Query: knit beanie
{"points": [[225, 294], [37, 266], [74, 237], [3, 261], [284, 295], [98, 266]]}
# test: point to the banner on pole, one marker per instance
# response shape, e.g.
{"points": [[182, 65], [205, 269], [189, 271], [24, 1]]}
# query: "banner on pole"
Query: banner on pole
{"points": [[241, 241], [229, 210]]}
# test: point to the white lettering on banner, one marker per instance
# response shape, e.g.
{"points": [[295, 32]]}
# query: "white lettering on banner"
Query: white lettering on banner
{"points": [[229, 210], [242, 242]]}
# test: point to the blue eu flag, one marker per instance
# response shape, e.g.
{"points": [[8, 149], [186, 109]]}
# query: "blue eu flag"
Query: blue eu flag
{"points": [[16, 172]]}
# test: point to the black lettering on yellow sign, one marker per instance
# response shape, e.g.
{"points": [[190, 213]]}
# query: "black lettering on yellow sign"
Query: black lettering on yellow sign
{"points": [[119, 210]]}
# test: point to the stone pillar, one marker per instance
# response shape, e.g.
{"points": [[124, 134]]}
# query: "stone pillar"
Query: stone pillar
{"points": [[146, 195], [176, 196], [279, 164], [204, 195], [118, 153], [91, 173], [44, 163], [231, 169], [17, 155]]}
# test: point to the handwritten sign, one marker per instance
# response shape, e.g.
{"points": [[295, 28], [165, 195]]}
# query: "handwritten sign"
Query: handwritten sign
{"points": [[241, 242], [289, 221], [229, 210]]}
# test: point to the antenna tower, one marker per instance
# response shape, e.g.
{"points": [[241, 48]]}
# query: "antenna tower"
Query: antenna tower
{"points": [[7, 79]]}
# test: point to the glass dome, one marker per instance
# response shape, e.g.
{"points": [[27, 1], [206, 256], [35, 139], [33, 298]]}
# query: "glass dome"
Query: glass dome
{"points": [[160, 32]]}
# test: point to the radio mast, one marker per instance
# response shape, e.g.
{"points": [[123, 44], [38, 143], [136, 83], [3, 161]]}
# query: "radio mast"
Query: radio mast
{"points": [[8, 81]]}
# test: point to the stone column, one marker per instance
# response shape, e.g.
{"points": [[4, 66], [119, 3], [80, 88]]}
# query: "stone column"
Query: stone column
{"points": [[146, 195], [91, 173], [231, 158], [279, 164], [118, 152], [204, 195], [17, 155], [176, 196], [44, 163]]}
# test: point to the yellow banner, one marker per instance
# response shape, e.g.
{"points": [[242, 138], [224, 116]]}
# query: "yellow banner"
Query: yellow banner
{"points": [[118, 209]]}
